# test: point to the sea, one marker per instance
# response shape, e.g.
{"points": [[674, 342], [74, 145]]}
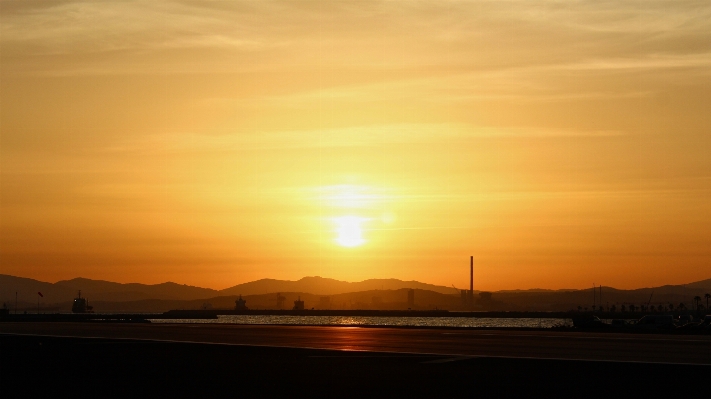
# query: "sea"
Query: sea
{"points": [[378, 321]]}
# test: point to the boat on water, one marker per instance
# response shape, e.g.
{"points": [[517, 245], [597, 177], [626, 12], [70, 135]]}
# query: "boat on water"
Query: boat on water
{"points": [[81, 305]]}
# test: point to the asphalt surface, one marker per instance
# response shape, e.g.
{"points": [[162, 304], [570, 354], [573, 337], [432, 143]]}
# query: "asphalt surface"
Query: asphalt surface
{"points": [[34, 366], [643, 348]]}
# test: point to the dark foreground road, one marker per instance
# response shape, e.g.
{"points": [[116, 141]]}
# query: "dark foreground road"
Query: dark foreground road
{"points": [[691, 349], [58, 360]]}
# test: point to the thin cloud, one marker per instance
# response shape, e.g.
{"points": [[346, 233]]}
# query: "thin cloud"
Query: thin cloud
{"points": [[359, 136]]}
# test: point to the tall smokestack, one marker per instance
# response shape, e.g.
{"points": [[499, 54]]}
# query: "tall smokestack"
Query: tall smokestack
{"points": [[471, 275]]}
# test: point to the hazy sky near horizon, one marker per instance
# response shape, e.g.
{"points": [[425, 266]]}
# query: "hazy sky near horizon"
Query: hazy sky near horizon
{"points": [[562, 143]]}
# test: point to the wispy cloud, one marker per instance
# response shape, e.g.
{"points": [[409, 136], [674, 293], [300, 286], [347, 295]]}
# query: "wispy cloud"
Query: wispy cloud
{"points": [[358, 136], [478, 35]]}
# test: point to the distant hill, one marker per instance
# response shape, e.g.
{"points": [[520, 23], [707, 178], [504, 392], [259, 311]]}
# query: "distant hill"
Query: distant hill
{"points": [[567, 300], [27, 289], [99, 290], [703, 284], [110, 291], [261, 294], [536, 290], [327, 286], [95, 290]]}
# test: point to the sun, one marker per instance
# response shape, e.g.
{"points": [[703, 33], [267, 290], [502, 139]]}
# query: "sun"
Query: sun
{"points": [[349, 230]]}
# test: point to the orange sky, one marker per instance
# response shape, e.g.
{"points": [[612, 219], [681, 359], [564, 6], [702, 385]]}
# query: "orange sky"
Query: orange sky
{"points": [[214, 143]]}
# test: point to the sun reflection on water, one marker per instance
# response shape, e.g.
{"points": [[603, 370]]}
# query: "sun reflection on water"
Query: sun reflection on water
{"points": [[379, 321]]}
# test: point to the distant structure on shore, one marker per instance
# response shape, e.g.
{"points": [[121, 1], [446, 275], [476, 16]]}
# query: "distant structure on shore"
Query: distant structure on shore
{"points": [[468, 296], [240, 304], [299, 304], [81, 305], [280, 301]]}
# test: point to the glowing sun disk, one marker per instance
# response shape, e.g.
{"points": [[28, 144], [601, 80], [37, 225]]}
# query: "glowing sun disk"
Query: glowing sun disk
{"points": [[349, 230]]}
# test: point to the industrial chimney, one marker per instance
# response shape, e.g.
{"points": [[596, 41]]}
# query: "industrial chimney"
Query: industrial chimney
{"points": [[471, 275]]}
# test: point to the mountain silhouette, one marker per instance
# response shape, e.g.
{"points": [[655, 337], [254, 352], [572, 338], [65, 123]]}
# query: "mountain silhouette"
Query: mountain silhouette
{"points": [[110, 291], [95, 290], [111, 296], [326, 286]]}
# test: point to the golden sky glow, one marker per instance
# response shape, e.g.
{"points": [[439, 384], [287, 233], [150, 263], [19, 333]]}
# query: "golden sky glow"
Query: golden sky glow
{"points": [[214, 143]]}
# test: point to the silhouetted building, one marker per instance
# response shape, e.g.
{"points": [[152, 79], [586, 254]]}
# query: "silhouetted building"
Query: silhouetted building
{"points": [[324, 302], [280, 301], [471, 274], [81, 305], [467, 298], [411, 298], [240, 304], [299, 304]]}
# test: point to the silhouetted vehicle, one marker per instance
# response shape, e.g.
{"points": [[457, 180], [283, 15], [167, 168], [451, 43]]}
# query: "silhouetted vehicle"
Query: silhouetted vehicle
{"points": [[621, 322], [698, 325], [657, 322], [685, 319], [588, 322], [81, 305]]}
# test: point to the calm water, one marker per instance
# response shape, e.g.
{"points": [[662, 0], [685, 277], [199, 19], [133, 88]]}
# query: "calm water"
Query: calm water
{"points": [[378, 321]]}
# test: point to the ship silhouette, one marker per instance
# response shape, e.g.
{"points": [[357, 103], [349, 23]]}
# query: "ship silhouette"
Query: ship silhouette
{"points": [[81, 305]]}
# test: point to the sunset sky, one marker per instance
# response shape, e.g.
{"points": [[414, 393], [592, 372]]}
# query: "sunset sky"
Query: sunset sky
{"points": [[562, 143]]}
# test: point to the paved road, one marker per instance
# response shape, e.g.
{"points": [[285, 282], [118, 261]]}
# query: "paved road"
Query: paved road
{"points": [[488, 343]]}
